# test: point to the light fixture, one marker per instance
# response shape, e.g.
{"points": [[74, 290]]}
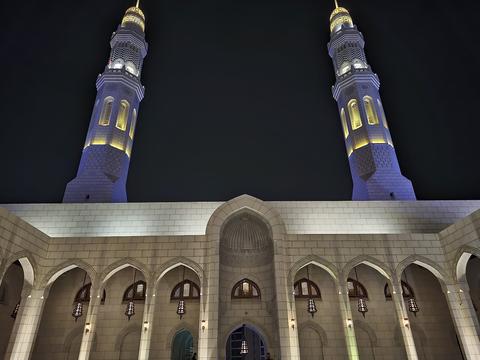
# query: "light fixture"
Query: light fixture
{"points": [[412, 303], [244, 346], [203, 325], [292, 321], [14, 313], [145, 325], [87, 328], [311, 307], [130, 311], [181, 304], [349, 323], [362, 303], [406, 322], [78, 307]]}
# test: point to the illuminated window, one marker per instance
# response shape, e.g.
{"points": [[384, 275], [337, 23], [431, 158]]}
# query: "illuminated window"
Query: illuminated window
{"points": [[131, 68], [382, 113], [344, 122], [185, 290], [305, 288], [407, 291], [136, 291], [354, 114], [133, 123], [245, 289], [83, 295], [372, 117], [356, 289], [123, 115], [106, 111]]}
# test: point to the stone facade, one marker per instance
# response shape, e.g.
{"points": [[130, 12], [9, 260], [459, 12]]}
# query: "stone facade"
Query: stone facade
{"points": [[433, 246]]}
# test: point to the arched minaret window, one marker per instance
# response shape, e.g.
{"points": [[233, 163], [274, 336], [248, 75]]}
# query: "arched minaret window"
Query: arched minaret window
{"points": [[354, 114], [83, 295], [372, 117], [133, 123], [407, 291], [185, 290], [356, 289], [123, 115], [343, 118], [106, 111], [136, 292], [245, 289], [382, 113], [305, 288]]}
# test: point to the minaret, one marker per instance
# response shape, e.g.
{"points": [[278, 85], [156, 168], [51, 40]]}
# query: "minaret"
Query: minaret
{"points": [[373, 163], [103, 170]]}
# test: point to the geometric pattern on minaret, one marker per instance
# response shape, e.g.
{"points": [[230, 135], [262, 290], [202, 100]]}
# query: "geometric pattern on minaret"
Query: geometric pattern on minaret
{"points": [[373, 162], [103, 169]]}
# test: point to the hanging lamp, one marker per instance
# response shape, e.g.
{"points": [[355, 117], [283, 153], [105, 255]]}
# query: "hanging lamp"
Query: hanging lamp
{"points": [[14, 313], [311, 307], [181, 304], [130, 311], [411, 302], [362, 303], [78, 307], [244, 346]]}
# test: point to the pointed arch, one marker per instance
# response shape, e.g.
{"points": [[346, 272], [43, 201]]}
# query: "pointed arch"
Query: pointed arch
{"points": [[370, 261], [131, 328], [177, 262], [175, 330], [28, 263], [66, 266], [426, 263], [317, 328], [249, 324], [121, 264], [358, 324], [462, 257], [312, 260], [77, 331]]}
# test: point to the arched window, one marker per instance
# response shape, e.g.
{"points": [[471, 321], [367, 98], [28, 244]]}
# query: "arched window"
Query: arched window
{"points": [[136, 291], [407, 291], [305, 288], [354, 113], [382, 113], [372, 117], [133, 123], [83, 295], [245, 289], [123, 115], [106, 111], [185, 290], [356, 289], [343, 117]]}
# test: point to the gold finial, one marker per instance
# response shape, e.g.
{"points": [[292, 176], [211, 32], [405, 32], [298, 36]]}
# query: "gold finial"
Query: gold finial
{"points": [[138, 4], [336, 4]]}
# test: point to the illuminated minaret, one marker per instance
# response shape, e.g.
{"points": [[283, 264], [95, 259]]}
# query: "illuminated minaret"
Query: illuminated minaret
{"points": [[373, 163], [103, 169]]}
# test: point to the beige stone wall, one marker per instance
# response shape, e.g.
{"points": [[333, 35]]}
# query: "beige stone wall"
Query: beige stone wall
{"points": [[378, 256]]}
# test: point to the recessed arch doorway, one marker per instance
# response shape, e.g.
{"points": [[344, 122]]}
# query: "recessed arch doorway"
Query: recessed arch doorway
{"points": [[257, 347], [182, 345]]}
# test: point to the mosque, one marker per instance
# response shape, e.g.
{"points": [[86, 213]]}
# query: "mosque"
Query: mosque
{"points": [[383, 277]]}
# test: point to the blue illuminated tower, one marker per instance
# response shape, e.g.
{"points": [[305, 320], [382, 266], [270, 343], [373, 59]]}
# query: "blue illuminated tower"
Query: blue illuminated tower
{"points": [[373, 163], [103, 169]]}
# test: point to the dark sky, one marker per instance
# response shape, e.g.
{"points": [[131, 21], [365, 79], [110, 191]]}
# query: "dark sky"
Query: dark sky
{"points": [[238, 96]]}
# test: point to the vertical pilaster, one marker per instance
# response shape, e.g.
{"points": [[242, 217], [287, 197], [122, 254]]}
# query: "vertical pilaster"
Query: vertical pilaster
{"points": [[403, 322], [208, 336], [90, 326], [464, 318], [147, 324], [347, 320], [26, 326]]}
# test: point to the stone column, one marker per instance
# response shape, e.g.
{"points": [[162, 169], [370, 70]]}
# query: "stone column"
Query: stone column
{"points": [[403, 321], [208, 337], [464, 318], [25, 330], [288, 337], [148, 317], [347, 320], [90, 326]]}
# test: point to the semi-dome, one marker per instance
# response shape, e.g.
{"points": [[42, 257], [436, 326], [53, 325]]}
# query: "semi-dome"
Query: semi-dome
{"points": [[134, 15], [245, 233]]}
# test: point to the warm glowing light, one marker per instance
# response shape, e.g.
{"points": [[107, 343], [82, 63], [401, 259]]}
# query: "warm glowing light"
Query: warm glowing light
{"points": [[343, 118], [123, 115], [106, 111], [372, 117], [354, 113]]}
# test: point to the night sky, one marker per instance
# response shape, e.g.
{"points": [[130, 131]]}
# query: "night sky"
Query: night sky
{"points": [[238, 96]]}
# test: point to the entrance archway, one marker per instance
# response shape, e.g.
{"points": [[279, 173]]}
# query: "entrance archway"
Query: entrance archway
{"points": [[257, 348], [182, 346]]}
